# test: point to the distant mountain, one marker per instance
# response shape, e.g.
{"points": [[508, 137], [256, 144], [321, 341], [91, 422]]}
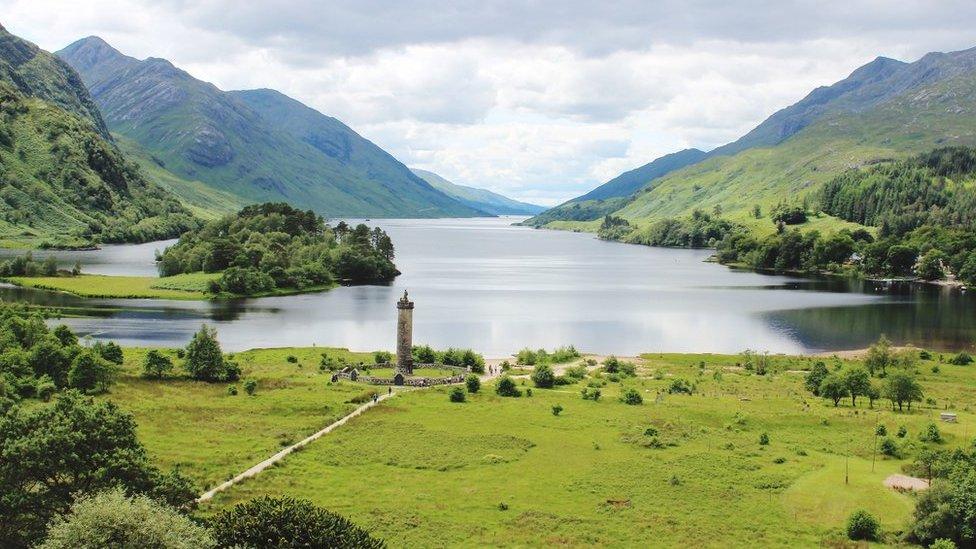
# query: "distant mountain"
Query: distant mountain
{"points": [[255, 145], [479, 199], [884, 109], [62, 182], [613, 194]]}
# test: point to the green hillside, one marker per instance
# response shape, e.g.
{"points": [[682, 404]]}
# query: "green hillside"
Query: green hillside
{"points": [[479, 199], [61, 182], [257, 145], [883, 110]]}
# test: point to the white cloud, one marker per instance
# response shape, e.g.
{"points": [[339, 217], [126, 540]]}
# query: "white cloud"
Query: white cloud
{"points": [[539, 100]]}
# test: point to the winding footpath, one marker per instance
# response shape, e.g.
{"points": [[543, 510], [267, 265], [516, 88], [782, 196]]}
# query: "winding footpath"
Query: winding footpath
{"points": [[257, 469]]}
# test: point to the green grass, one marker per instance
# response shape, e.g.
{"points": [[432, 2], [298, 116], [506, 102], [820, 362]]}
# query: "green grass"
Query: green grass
{"points": [[212, 435], [185, 286], [590, 476]]}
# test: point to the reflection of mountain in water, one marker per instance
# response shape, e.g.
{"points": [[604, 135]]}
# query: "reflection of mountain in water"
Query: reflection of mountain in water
{"points": [[921, 316]]}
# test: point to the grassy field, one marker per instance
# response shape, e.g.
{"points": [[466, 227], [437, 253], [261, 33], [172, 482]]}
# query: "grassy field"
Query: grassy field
{"points": [[184, 286], [422, 471], [212, 435]]}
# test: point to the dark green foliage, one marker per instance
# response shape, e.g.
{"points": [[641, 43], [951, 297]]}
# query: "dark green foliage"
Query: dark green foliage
{"points": [[205, 361], [681, 386], [382, 357], [424, 354], [44, 463], [473, 383], [833, 388], [700, 231], [961, 359], [901, 388], [888, 447], [763, 439], [457, 394], [858, 383], [109, 351], [285, 522], [591, 393], [614, 228], [269, 246], [506, 387], [863, 526], [815, 377], [90, 373], [789, 215], [557, 409], [948, 508], [543, 376], [931, 433], [632, 397], [881, 431]]}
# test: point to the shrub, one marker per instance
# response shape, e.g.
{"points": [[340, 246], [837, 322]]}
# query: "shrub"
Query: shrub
{"points": [[576, 372], [763, 439], [543, 376], [506, 387], [382, 357], [930, 434], [591, 394], [457, 394], [90, 373], [204, 359], [961, 359], [292, 359], [250, 386], [679, 385], [156, 365], [111, 519], [889, 448], [557, 409], [232, 390], [881, 431], [611, 365], [632, 397], [473, 383], [364, 397], [287, 522], [902, 432], [943, 543], [45, 388], [862, 525]]}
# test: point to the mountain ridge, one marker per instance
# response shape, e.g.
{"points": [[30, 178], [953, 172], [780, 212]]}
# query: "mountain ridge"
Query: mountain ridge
{"points": [[481, 199]]}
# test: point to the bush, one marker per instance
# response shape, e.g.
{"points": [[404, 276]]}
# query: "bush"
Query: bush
{"points": [[45, 388], [506, 387], [156, 365], [457, 394], [204, 359], [109, 351], [961, 359], [763, 439], [679, 385], [632, 397], [576, 373], [930, 434], [943, 543], [543, 376], [473, 383], [111, 519], [382, 357], [232, 390], [863, 526], [902, 432], [250, 386], [557, 409], [292, 359], [284, 522], [889, 448], [90, 373], [611, 365], [591, 394], [881, 431]]}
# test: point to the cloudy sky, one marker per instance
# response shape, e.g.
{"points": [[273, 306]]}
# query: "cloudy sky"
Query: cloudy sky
{"points": [[538, 100]]}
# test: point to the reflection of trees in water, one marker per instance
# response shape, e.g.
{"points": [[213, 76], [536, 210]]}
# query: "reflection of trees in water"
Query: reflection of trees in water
{"points": [[938, 320]]}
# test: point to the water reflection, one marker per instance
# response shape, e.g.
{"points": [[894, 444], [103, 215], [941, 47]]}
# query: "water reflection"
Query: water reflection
{"points": [[482, 283]]}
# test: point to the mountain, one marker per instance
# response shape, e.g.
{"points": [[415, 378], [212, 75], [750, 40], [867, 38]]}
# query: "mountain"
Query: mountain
{"points": [[256, 145], [62, 182], [614, 194], [479, 199], [884, 109]]}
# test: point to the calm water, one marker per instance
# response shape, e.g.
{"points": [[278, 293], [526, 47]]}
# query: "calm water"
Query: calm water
{"points": [[484, 284]]}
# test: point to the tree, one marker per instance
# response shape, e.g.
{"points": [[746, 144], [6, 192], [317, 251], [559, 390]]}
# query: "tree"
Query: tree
{"points": [[204, 359], [110, 351], [157, 365], [632, 397], [90, 373], [834, 388], [51, 453], [473, 383], [111, 519], [930, 265], [49, 357], [65, 335], [862, 525], [457, 394], [901, 388], [543, 376], [879, 356], [858, 383], [945, 510], [285, 522], [815, 377]]}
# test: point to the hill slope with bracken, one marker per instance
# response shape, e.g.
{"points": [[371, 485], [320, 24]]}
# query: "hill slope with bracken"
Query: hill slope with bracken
{"points": [[62, 182], [256, 145]]}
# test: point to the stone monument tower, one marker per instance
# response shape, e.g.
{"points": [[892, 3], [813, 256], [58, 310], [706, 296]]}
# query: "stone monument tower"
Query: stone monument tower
{"points": [[404, 363]]}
